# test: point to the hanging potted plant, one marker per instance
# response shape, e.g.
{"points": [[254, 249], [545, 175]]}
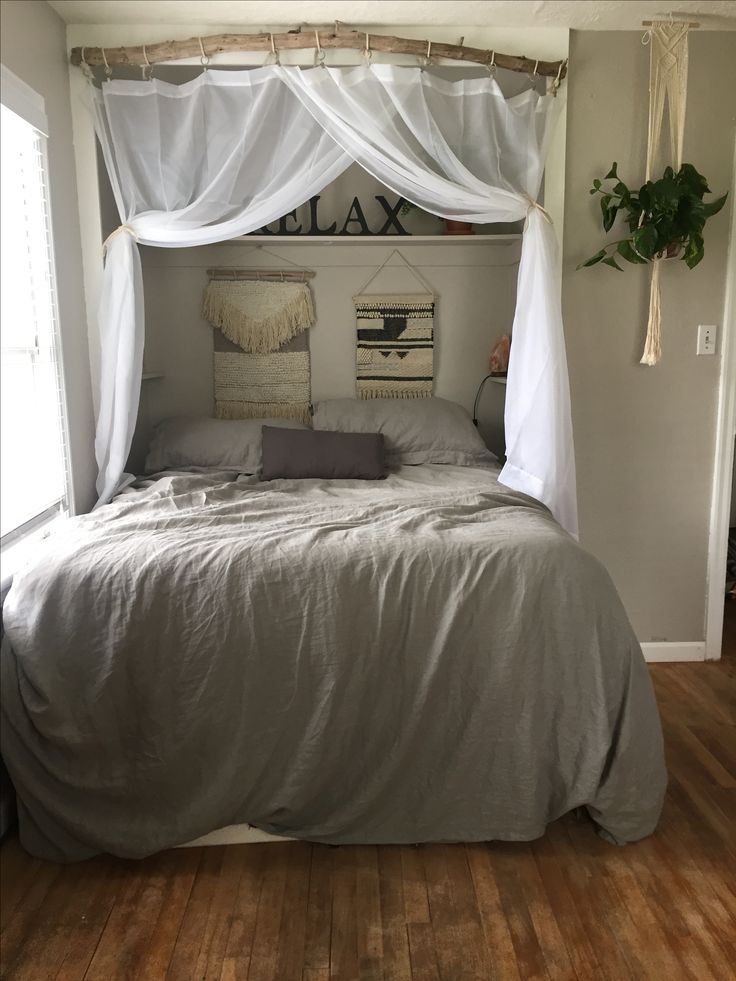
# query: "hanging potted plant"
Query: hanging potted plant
{"points": [[665, 218]]}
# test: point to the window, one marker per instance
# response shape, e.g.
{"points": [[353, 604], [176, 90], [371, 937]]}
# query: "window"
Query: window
{"points": [[34, 472]]}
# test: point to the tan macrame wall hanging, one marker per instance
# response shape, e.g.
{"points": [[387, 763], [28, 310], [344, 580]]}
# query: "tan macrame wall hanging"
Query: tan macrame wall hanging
{"points": [[258, 316], [667, 85], [262, 365]]}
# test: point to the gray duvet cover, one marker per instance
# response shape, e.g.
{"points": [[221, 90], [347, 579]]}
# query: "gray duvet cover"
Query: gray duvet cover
{"points": [[424, 658]]}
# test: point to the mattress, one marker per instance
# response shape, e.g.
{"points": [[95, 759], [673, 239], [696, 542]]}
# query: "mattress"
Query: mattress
{"points": [[429, 657]]}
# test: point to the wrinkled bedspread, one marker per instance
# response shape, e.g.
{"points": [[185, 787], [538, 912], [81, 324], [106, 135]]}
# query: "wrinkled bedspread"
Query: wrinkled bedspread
{"points": [[429, 657]]}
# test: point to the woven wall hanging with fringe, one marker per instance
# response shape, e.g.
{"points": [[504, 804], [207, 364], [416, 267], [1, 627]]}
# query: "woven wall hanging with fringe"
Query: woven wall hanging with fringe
{"points": [[258, 316], [395, 346], [395, 339], [262, 366]]}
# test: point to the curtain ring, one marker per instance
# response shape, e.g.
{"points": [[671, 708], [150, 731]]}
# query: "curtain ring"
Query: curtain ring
{"points": [[274, 51], [492, 66], [108, 70], [147, 70], [646, 38], [426, 59], [319, 55], [86, 70], [556, 83], [534, 75], [368, 54], [204, 60]]}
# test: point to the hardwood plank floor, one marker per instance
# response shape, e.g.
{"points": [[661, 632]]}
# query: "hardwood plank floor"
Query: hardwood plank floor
{"points": [[567, 906]]}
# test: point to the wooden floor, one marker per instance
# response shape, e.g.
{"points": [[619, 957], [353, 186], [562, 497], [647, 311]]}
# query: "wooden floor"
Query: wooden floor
{"points": [[565, 907]]}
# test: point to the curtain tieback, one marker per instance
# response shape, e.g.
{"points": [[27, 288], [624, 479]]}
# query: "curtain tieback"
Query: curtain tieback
{"points": [[538, 206], [128, 229]]}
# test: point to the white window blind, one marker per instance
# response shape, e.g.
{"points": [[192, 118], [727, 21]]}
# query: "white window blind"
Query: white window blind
{"points": [[34, 472]]}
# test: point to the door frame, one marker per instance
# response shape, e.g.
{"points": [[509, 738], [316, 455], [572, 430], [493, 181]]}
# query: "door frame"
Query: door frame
{"points": [[724, 453]]}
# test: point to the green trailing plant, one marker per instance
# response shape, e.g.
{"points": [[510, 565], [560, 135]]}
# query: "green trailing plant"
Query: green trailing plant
{"points": [[665, 217]]}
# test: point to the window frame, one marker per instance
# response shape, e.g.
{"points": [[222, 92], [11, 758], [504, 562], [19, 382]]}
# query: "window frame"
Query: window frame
{"points": [[17, 96]]}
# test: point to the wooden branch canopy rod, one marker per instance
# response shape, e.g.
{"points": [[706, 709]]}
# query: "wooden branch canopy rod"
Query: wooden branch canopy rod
{"points": [[277, 275], [151, 54]]}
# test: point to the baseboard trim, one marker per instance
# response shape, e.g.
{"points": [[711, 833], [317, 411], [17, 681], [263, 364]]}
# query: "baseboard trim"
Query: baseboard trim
{"points": [[658, 651], [234, 834]]}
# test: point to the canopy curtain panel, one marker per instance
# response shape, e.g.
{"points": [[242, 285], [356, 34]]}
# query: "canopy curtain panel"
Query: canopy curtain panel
{"points": [[226, 153]]}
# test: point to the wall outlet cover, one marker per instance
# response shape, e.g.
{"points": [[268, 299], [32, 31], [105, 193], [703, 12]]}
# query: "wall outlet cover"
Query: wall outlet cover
{"points": [[707, 334]]}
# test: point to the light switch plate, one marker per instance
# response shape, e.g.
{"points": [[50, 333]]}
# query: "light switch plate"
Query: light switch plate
{"points": [[707, 334]]}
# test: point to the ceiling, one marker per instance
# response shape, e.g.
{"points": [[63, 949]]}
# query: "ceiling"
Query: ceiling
{"points": [[575, 14]]}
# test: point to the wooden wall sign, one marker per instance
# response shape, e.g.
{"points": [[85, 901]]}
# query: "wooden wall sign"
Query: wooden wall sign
{"points": [[355, 223]]}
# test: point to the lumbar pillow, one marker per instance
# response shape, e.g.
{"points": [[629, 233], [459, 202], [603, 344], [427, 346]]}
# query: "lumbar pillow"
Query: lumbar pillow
{"points": [[417, 431], [230, 444], [298, 454]]}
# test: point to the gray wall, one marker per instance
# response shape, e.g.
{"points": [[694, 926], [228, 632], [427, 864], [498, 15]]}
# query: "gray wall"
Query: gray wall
{"points": [[33, 46], [645, 436]]}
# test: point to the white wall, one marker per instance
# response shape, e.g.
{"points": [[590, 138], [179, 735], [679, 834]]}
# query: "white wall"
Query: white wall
{"points": [[33, 46]]}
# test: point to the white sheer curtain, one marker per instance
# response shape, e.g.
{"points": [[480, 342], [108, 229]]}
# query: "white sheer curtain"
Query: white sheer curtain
{"points": [[189, 165], [227, 153]]}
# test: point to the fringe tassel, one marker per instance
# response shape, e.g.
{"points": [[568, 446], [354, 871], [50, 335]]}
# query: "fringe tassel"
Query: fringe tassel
{"points": [[258, 336], [390, 393], [298, 411], [653, 346]]}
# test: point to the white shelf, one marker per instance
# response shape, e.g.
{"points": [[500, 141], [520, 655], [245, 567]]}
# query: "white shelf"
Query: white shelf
{"points": [[501, 380], [375, 239]]}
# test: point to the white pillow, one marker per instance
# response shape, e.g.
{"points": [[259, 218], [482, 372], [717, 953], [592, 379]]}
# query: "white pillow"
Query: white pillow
{"points": [[230, 444], [415, 431]]}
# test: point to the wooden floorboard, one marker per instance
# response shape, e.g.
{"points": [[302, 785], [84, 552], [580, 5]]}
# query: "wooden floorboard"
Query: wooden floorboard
{"points": [[567, 906]]}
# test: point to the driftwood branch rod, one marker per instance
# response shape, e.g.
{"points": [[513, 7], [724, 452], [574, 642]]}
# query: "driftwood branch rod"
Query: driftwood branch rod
{"points": [[307, 38]]}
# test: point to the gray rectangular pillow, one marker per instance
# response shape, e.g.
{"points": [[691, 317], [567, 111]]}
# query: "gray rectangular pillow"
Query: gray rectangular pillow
{"points": [[298, 454]]}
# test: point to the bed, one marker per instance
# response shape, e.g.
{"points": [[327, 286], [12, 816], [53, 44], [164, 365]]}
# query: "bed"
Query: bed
{"points": [[427, 657]]}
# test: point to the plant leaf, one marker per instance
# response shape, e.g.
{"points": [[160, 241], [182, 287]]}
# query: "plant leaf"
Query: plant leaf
{"points": [[695, 251], [714, 207], [626, 251], [645, 241], [609, 211], [695, 182], [611, 261], [593, 259], [596, 184], [612, 175]]}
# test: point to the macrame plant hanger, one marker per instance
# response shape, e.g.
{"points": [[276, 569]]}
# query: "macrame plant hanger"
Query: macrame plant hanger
{"points": [[668, 63]]}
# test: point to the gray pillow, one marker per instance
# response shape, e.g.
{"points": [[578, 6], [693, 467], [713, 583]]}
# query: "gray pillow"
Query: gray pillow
{"points": [[231, 444], [417, 431], [290, 453]]}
